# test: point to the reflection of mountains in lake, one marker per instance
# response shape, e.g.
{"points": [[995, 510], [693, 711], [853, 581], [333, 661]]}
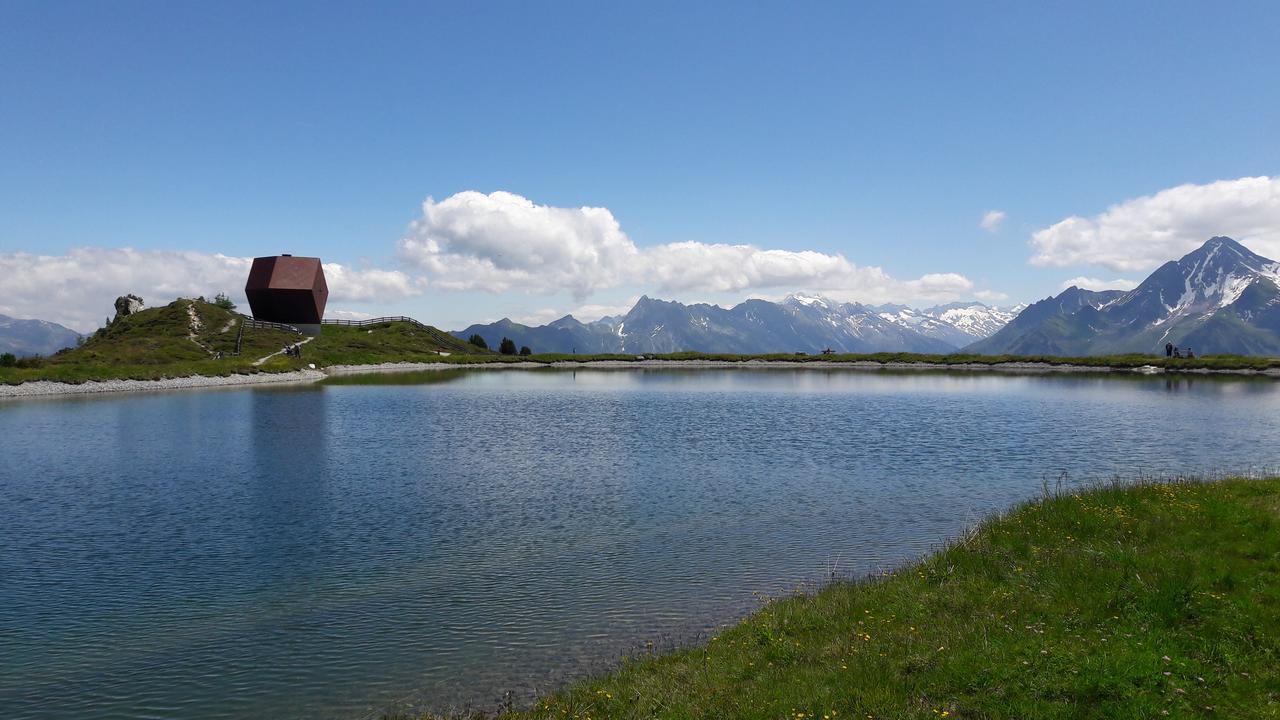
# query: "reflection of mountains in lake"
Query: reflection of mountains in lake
{"points": [[403, 377]]}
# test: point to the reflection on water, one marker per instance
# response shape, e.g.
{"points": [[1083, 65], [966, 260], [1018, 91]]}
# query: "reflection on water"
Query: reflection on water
{"points": [[416, 377], [436, 539]]}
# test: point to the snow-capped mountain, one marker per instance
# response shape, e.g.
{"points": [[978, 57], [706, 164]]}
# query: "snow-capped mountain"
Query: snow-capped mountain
{"points": [[975, 319], [799, 323], [955, 323], [1219, 298]]}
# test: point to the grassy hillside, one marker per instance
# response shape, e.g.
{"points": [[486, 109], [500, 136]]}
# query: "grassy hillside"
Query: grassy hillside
{"points": [[393, 341], [1160, 600], [185, 337]]}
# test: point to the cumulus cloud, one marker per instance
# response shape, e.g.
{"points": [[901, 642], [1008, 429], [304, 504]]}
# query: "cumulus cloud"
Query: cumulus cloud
{"points": [[77, 289], [347, 284], [1142, 233], [1088, 283], [992, 220], [502, 241], [991, 296]]}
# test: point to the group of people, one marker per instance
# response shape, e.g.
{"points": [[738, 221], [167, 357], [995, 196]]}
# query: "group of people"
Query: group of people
{"points": [[1173, 351], [294, 350]]}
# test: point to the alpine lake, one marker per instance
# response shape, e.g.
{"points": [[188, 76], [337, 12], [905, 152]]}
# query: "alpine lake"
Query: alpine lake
{"points": [[441, 539]]}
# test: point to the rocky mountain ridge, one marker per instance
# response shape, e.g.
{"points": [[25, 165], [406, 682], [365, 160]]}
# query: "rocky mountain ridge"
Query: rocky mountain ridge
{"points": [[799, 323]]}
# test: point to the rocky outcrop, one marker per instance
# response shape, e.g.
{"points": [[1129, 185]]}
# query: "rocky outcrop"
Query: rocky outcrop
{"points": [[128, 305]]}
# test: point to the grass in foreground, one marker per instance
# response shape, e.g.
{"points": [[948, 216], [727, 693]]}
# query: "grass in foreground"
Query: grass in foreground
{"points": [[1160, 600]]}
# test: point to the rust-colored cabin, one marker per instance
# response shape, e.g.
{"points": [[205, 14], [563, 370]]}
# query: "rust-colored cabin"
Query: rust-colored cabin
{"points": [[288, 289]]}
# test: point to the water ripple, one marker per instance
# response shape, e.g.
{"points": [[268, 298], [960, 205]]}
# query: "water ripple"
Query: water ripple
{"points": [[335, 551]]}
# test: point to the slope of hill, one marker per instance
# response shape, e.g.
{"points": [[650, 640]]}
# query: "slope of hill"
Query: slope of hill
{"points": [[194, 337], [1219, 298], [25, 338], [800, 323]]}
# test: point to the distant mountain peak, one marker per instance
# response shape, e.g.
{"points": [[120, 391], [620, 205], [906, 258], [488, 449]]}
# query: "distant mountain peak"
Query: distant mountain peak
{"points": [[1219, 298], [808, 300], [960, 305], [1224, 250]]}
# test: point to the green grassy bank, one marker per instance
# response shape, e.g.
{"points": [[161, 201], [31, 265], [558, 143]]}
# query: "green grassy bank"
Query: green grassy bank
{"points": [[1151, 601]]}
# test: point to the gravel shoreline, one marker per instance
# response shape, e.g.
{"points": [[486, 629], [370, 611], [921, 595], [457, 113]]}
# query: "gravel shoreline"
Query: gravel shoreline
{"points": [[47, 388]]}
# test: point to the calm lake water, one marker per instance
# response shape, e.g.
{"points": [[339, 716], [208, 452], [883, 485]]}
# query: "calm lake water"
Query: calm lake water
{"points": [[429, 540]]}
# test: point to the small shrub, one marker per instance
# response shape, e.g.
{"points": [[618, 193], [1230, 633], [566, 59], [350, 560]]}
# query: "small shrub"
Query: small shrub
{"points": [[478, 341], [221, 300], [8, 360], [525, 351], [508, 346]]}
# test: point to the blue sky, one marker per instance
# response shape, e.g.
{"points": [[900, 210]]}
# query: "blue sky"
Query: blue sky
{"points": [[875, 133]]}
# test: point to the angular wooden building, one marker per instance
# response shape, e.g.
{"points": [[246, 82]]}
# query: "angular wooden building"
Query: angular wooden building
{"points": [[288, 289]]}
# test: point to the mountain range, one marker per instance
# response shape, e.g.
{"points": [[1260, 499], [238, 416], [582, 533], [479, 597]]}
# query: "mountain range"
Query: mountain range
{"points": [[799, 323], [1220, 298], [34, 337]]}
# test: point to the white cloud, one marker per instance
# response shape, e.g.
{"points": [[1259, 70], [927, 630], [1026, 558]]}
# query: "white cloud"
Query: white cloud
{"points": [[992, 220], [582, 313], [78, 289], [369, 285], [1142, 233], [534, 318], [502, 241], [991, 296], [591, 313], [341, 314], [1088, 283]]}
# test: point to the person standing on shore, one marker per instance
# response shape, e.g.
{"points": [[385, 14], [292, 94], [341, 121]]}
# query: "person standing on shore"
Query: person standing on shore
{"points": [[1168, 349]]}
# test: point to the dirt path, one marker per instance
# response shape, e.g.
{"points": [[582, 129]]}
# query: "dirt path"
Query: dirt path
{"points": [[261, 360], [194, 326]]}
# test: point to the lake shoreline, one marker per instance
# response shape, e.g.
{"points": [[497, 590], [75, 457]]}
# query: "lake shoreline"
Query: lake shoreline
{"points": [[52, 388], [1027, 595], [756, 364]]}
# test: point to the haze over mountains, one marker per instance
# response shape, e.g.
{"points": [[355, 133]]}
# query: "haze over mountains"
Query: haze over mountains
{"points": [[800, 323]]}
